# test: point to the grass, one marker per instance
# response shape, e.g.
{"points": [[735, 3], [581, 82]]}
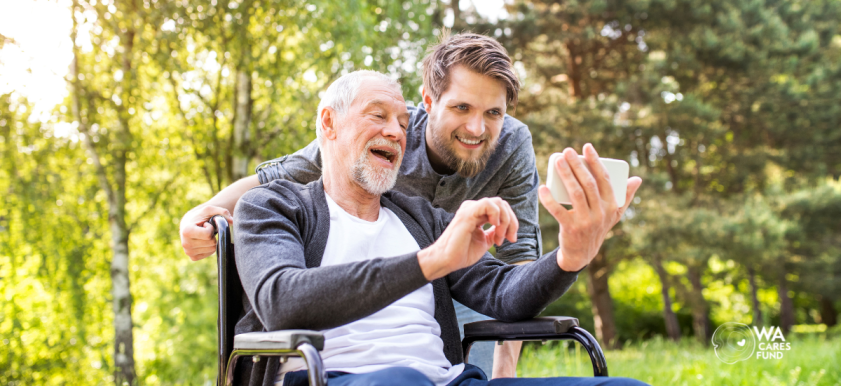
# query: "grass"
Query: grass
{"points": [[813, 360]]}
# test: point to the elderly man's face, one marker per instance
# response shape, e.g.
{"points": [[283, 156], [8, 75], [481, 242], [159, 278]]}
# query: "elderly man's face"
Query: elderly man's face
{"points": [[373, 136], [466, 120]]}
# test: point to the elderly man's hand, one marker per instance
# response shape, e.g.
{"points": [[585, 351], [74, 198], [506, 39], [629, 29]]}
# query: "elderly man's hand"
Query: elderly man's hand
{"points": [[196, 234], [594, 211], [464, 241]]}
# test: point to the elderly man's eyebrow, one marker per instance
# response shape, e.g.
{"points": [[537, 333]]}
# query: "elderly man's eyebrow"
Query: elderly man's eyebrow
{"points": [[383, 103], [378, 102]]}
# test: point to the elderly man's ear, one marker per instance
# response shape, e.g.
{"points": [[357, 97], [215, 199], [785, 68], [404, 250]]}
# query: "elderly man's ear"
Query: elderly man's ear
{"points": [[328, 122]]}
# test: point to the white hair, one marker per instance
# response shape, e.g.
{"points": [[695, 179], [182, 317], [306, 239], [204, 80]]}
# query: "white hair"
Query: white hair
{"points": [[341, 94]]}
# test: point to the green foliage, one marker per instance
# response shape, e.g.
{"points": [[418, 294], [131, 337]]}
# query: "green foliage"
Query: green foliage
{"points": [[53, 273], [810, 362]]}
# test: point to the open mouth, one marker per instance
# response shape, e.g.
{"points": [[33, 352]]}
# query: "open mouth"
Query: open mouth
{"points": [[385, 154], [469, 142]]}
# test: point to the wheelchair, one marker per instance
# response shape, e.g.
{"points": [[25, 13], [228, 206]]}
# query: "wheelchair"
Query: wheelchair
{"points": [[307, 344]]}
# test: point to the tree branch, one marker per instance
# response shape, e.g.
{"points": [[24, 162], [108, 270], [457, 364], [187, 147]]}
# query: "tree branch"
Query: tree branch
{"points": [[78, 91], [154, 202]]}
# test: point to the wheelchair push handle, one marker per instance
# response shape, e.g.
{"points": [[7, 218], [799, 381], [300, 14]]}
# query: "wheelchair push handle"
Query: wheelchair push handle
{"points": [[216, 221]]}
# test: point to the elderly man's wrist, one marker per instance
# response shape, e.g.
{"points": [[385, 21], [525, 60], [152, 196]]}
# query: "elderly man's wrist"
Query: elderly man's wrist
{"points": [[430, 264]]}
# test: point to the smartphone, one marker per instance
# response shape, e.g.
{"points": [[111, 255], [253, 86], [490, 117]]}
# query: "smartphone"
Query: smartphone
{"points": [[617, 170]]}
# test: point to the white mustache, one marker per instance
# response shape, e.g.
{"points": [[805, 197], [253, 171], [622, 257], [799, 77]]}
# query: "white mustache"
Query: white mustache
{"points": [[384, 142]]}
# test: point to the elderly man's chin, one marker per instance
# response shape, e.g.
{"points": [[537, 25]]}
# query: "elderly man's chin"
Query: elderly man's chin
{"points": [[373, 178]]}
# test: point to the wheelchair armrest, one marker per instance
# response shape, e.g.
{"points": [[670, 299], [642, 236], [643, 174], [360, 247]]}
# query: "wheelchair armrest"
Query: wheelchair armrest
{"points": [[542, 328], [278, 340], [536, 328], [303, 343]]}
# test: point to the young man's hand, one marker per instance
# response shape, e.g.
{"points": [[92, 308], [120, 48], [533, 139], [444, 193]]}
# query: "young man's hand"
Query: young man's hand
{"points": [[197, 234], [464, 241], [594, 211]]}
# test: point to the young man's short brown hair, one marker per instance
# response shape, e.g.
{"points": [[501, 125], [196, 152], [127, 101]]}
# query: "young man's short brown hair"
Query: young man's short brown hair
{"points": [[478, 53]]}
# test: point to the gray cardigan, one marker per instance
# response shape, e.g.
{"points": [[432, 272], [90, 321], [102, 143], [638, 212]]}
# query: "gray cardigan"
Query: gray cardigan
{"points": [[280, 233]]}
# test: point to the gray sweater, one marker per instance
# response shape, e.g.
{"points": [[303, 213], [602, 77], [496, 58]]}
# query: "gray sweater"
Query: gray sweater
{"points": [[280, 233]]}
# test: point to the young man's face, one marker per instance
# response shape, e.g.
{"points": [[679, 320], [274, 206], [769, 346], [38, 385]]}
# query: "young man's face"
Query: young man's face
{"points": [[465, 122]]}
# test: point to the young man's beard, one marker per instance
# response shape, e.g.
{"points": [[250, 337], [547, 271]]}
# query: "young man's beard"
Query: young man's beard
{"points": [[376, 180], [464, 167]]}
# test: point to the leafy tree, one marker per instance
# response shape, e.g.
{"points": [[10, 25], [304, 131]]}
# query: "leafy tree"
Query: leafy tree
{"points": [[815, 246], [681, 89], [246, 87]]}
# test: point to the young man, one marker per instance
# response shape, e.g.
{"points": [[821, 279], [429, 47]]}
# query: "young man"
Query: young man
{"points": [[460, 146], [306, 252]]}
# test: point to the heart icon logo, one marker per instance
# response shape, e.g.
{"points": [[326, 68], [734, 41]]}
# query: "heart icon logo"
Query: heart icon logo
{"points": [[733, 342]]}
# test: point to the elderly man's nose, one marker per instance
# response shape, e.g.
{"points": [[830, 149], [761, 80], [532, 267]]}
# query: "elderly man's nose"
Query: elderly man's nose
{"points": [[393, 129]]}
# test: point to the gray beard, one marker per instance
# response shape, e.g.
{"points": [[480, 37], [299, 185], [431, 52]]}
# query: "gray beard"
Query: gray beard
{"points": [[373, 179]]}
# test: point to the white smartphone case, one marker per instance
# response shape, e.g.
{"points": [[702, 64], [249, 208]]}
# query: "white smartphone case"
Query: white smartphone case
{"points": [[618, 171]]}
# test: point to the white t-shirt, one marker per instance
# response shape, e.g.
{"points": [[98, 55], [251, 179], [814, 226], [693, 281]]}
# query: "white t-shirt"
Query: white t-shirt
{"points": [[403, 334]]}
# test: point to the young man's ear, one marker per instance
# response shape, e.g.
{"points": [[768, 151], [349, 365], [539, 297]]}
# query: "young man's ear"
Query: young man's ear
{"points": [[328, 123], [427, 99]]}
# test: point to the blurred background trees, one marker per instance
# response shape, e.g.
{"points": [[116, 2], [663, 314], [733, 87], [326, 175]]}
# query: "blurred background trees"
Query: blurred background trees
{"points": [[727, 109]]}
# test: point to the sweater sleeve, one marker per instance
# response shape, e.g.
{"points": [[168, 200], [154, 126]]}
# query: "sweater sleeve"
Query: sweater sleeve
{"points": [[303, 166], [510, 293], [270, 232], [520, 191]]}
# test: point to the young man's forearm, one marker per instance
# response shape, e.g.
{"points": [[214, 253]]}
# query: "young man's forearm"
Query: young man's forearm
{"points": [[507, 354], [228, 197]]}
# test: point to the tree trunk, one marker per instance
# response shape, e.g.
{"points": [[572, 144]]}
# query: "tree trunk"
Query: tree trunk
{"points": [[574, 72], [700, 309], [124, 371], [115, 191], [242, 123], [117, 216], [757, 310], [458, 24], [672, 328], [239, 150], [602, 303], [121, 292], [829, 316], [786, 305], [437, 16]]}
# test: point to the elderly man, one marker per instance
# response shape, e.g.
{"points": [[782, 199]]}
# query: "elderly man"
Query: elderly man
{"points": [[377, 270]]}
